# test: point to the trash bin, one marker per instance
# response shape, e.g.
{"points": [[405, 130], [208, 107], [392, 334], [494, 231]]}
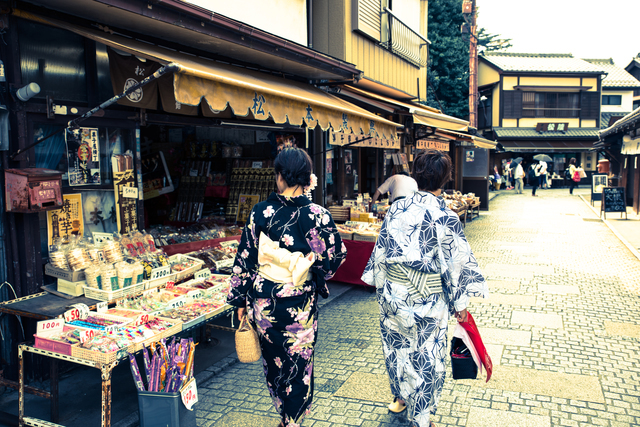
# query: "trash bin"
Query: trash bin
{"points": [[158, 409]]}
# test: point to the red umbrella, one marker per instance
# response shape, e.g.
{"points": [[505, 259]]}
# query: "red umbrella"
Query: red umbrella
{"points": [[476, 341]]}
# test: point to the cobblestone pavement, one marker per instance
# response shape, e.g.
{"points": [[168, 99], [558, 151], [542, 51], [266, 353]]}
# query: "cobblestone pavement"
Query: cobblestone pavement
{"points": [[561, 326]]}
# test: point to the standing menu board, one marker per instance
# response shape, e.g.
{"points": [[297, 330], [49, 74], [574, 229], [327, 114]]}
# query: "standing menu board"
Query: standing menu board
{"points": [[598, 182], [613, 200]]}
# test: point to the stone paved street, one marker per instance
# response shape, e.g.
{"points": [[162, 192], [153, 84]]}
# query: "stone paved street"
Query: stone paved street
{"points": [[561, 326]]}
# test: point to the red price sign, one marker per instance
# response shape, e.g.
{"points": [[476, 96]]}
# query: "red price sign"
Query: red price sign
{"points": [[87, 334], [170, 285], [47, 328], [189, 394], [142, 319], [71, 315]]}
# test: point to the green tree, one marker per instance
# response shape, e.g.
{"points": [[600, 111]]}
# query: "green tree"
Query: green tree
{"points": [[448, 62]]}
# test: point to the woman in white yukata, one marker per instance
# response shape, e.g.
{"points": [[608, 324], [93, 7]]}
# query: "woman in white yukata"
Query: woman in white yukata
{"points": [[424, 271]]}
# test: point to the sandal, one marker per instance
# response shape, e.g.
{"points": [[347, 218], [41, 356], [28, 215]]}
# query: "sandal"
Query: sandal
{"points": [[397, 407]]}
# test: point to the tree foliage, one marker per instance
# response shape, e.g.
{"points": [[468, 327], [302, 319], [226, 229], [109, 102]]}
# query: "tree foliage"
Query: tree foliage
{"points": [[448, 64]]}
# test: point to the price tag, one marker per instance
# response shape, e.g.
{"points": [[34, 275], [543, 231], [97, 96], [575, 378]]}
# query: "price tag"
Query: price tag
{"points": [[170, 285], [228, 243], [150, 291], [71, 315], [224, 263], [100, 238], [141, 320], [178, 302], [160, 272], [87, 334], [111, 328], [205, 273], [189, 394], [256, 165], [101, 307], [130, 192], [195, 294], [47, 328]]}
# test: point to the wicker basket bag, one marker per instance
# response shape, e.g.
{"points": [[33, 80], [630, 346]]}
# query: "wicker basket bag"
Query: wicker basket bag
{"points": [[247, 344]]}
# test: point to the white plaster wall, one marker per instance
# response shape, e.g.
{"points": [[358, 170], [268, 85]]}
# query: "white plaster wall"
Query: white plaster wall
{"points": [[284, 18], [627, 102]]}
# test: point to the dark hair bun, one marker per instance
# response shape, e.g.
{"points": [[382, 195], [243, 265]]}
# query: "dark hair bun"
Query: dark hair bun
{"points": [[294, 165]]}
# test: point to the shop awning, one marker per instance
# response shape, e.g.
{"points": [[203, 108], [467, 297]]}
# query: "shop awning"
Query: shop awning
{"points": [[546, 146], [422, 115], [475, 140], [631, 147], [244, 91]]}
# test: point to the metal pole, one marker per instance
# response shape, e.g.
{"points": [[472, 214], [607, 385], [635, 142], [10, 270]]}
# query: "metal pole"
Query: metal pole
{"points": [[73, 124], [473, 68]]}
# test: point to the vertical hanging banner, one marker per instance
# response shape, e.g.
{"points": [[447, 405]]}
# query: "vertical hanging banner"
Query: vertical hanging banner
{"points": [[126, 192], [83, 153], [67, 221]]}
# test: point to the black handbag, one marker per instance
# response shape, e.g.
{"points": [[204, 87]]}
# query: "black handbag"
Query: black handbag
{"points": [[462, 364]]}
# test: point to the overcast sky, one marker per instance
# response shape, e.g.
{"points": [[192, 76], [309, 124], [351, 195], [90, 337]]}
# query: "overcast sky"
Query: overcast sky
{"points": [[584, 28]]}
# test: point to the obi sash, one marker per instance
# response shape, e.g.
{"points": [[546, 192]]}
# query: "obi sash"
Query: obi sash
{"points": [[282, 266]]}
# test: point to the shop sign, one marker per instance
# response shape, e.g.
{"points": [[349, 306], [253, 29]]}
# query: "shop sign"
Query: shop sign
{"points": [[245, 204], [552, 127], [126, 208], [67, 221], [83, 155], [424, 144], [156, 179]]}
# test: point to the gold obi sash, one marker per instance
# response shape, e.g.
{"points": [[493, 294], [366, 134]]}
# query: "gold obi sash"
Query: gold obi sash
{"points": [[282, 266]]}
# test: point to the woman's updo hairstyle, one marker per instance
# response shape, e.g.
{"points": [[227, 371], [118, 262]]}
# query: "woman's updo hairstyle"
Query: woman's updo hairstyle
{"points": [[294, 165], [431, 169]]}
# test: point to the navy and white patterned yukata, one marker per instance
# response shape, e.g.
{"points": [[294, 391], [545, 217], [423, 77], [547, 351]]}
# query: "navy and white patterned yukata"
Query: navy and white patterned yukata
{"points": [[286, 314], [420, 232]]}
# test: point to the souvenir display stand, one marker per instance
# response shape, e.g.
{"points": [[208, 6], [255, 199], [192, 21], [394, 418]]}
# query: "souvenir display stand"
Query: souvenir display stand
{"points": [[102, 330]]}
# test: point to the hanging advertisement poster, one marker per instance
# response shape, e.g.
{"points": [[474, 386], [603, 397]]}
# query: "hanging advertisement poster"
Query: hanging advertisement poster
{"points": [[126, 192], [245, 204], [83, 153], [67, 221]]}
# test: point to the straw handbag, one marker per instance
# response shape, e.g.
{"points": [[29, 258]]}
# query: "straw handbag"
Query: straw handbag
{"points": [[247, 344]]}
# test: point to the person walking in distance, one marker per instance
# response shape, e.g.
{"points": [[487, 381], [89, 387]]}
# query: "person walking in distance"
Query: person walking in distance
{"points": [[288, 250], [572, 171], [533, 177], [519, 178], [424, 272]]}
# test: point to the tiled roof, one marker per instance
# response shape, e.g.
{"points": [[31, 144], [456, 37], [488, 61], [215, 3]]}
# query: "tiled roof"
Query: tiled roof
{"points": [[532, 133], [605, 118], [616, 76], [629, 119], [634, 62], [540, 62]]}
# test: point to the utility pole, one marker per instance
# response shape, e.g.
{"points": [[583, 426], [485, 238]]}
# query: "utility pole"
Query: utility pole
{"points": [[469, 14]]}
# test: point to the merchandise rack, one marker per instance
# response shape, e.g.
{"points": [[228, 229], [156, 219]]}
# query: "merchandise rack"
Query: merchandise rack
{"points": [[105, 370]]}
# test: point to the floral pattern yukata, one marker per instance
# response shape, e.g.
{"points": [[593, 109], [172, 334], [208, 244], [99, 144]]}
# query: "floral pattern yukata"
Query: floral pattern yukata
{"points": [[286, 315], [421, 233]]}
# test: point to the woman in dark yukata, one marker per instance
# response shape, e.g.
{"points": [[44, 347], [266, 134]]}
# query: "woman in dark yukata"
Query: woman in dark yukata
{"points": [[289, 248]]}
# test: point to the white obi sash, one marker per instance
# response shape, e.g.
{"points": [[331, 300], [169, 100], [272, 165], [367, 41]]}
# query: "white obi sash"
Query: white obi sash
{"points": [[282, 266]]}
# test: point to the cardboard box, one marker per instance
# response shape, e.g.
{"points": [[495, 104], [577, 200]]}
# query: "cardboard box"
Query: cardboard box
{"points": [[71, 276], [71, 288]]}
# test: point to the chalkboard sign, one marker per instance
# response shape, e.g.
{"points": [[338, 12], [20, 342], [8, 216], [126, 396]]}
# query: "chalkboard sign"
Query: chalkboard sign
{"points": [[613, 200]]}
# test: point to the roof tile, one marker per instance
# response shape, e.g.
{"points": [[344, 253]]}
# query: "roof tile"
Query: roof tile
{"points": [[616, 77], [540, 62], [532, 133]]}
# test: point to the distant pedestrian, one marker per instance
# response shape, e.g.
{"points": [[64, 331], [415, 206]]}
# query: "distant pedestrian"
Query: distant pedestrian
{"points": [[519, 178], [424, 271], [543, 174], [288, 249], [507, 173], [533, 177], [572, 171]]}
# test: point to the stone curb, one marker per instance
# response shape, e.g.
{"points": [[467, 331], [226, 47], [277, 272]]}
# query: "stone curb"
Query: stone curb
{"points": [[617, 234]]}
